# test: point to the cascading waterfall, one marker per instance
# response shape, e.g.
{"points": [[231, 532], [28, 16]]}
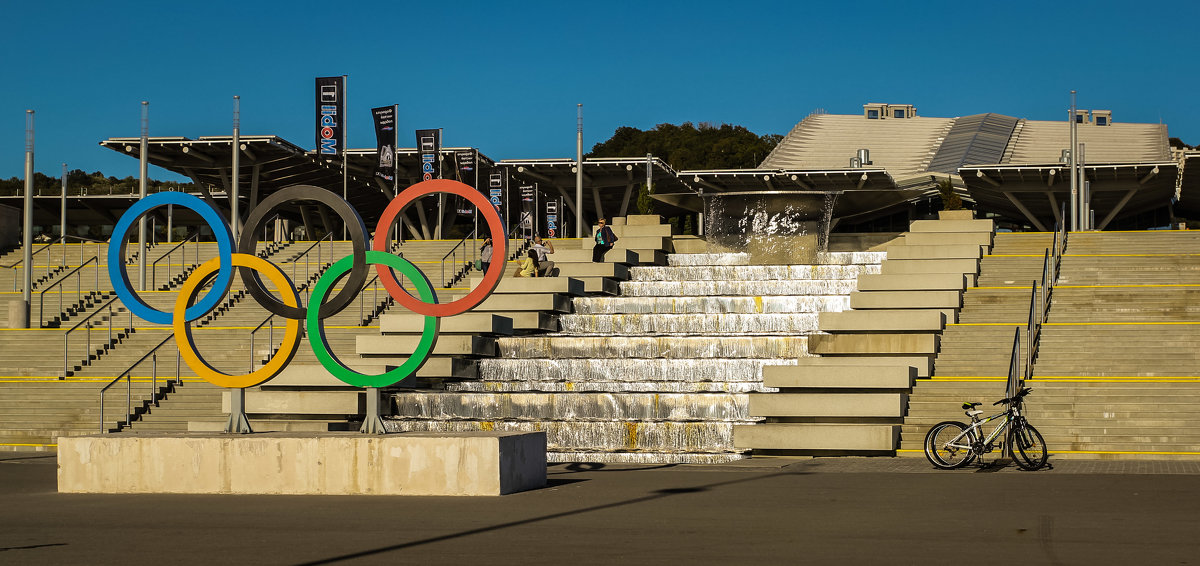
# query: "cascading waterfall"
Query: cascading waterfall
{"points": [[660, 374]]}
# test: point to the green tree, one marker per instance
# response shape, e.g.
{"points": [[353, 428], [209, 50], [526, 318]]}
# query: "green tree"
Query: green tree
{"points": [[687, 146]]}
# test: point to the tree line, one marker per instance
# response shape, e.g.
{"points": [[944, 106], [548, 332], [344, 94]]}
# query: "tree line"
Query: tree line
{"points": [[78, 180]]}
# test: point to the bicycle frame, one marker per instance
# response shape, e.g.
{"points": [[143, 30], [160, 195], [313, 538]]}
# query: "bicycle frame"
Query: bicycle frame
{"points": [[985, 445]]}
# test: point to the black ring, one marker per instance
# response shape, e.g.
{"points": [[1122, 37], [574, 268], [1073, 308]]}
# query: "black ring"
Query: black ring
{"points": [[358, 238]]}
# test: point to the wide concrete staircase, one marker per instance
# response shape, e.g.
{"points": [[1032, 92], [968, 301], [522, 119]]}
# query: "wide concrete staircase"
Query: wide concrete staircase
{"points": [[852, 398], [658, 374], [1116, 373]]}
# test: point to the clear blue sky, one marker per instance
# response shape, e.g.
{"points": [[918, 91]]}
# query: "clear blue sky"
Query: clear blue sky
{"points": [[505, 77]]}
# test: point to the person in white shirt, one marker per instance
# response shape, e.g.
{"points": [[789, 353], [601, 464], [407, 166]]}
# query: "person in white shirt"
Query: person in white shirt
{"points": [[539, 252]]}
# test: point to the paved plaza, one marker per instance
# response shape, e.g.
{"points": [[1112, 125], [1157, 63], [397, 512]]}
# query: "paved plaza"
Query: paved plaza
{"points": [[761, 511]]}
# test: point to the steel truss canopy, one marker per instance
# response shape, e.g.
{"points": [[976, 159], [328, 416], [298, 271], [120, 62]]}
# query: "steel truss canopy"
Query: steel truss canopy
{"points": [[1036, 192], [270, 163], [611, 181], [859, 191]]}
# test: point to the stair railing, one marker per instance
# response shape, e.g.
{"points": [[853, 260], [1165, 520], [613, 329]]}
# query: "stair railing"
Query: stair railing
{"points": [[453, 256], [270, 339], [155, 394], [307, 274], [17, 264], [1015, 379], [182, 254], [78, 288], [512, 232], [88, 325]]}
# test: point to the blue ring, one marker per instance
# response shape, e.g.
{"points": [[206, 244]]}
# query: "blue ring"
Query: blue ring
{"points": [[116, 256]]}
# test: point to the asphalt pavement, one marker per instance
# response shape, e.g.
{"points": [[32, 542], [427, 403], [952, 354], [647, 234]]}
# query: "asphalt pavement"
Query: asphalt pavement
{"points": [[761, 511]]}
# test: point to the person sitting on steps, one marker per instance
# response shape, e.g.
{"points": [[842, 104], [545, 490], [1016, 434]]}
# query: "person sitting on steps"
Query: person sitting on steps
{"points": [[604, 242], [539, 250]]}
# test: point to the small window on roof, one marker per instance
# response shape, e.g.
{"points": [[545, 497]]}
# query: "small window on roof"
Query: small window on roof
{"points": [[872, 114], [1101, 120], [1079, 118], [898, 113]]}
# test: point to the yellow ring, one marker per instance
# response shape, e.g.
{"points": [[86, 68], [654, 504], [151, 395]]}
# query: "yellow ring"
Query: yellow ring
{"points": [[183, 330]]}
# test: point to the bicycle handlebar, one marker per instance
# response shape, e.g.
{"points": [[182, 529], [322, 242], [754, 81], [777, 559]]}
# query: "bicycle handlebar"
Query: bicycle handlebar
{"points": [[1020, 394]]}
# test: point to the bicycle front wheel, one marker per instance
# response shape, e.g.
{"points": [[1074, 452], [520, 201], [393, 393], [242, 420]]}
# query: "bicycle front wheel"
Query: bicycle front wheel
{"points": [[1029, 448], [948, 445]]}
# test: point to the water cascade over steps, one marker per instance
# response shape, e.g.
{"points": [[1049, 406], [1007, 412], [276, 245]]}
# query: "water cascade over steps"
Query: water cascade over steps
{"points": [[659, 374]]}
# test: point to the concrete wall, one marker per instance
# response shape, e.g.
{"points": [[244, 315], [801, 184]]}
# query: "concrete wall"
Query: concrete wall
{"points": [[484, 463]]}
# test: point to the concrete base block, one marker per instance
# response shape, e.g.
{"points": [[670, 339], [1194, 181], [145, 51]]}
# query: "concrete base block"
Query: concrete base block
{"points": [[640, 230], [817, 437], [987, 226], [960, 251], [922, 364], [913, 266], [642, 220], [947, 238], [882, 320], [299, 402], [524, 302], [484, 463], [843, 377], [915, 282], [581, 270], [405, 344], [465, 323], [18, 314], [648, 256], [873, 344], [964, 214], [906, 299], [525, 285], [827, 404], [569, 255]]}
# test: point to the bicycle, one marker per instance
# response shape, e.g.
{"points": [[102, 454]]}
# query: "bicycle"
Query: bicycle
{"points": [[952, 444]]}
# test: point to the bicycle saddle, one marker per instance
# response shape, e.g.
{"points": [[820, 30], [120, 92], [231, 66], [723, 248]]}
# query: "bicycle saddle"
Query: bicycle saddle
{"points": [[969, 406]]}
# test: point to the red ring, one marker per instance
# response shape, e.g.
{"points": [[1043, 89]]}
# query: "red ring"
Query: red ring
{"points": [[499, 247]]}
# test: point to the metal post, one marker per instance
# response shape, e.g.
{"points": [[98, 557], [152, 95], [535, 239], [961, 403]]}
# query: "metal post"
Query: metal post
{"points": [[27, 225], [143, 165], [238, 423], [649, 173], [579, 171], [1074, 170], [1083, 204], [171, 228], [345, 149], [62, 217], [373, 422], [234, 216]]}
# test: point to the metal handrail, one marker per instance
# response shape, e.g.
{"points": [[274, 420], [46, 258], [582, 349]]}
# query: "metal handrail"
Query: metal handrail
{"points": [[270, 338], [374, 299], [63, 279], [1015, 380], [128, 374], [154, 265], [17, 263], [454, 252], [307, 276], [67, 334]]}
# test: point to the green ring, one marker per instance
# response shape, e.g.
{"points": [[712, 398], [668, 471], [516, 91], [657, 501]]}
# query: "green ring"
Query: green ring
{"points": [[320, 346]]}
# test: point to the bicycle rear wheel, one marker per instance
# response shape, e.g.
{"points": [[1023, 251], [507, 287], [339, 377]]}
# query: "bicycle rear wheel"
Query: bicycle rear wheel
{"points": [[948, 445], [1029, 448]]}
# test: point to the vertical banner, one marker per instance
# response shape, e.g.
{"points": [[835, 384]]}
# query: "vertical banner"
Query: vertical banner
{"points": [[497, 179], [429, 147], [385, 137], [552, 219], [331, 112], [527, 211], [465, 169]]}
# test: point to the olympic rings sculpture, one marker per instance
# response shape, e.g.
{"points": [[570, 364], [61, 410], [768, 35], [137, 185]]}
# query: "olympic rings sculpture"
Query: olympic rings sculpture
{"points": [[353, 268]]}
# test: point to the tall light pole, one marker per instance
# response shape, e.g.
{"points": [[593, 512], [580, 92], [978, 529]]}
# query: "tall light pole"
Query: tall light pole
{"points": [[579, 171], [62, 217], [1074, 169], [143, 166], [234, 219], [27, 225]]}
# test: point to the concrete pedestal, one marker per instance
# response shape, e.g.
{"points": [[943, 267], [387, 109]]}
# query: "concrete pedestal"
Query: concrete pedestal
{"points": [[295, 463]]}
